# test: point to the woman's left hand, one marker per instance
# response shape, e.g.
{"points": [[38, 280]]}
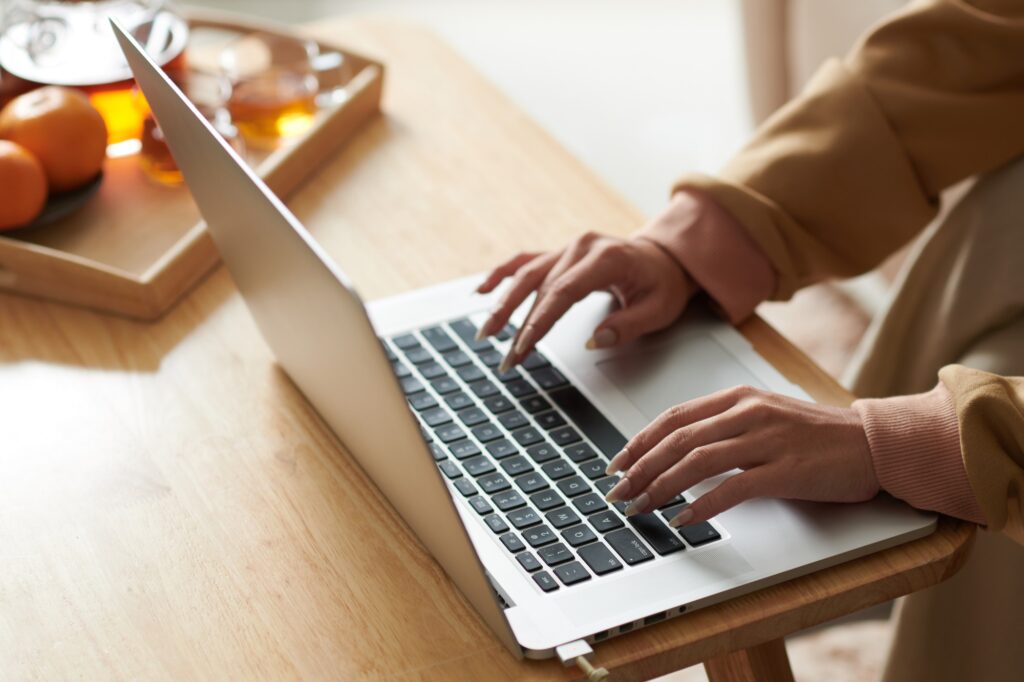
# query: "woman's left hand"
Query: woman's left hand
{"points": [[785, 448]]}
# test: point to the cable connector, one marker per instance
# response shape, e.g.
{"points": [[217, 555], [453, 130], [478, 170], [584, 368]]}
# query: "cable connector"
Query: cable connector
{"points": [[575, 653]]}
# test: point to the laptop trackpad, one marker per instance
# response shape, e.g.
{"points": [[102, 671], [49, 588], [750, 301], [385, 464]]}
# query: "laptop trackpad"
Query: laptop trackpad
{"points": [[656, 376]]}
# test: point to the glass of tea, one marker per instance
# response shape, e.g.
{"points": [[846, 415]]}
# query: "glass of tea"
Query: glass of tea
{"points": [[275, 83]]}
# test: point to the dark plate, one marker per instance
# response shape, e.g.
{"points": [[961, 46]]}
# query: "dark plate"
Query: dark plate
{"points": [[61, 205]]}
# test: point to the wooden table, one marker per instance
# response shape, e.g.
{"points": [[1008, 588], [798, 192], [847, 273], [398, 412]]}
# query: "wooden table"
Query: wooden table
{"points": [[170, 508]]}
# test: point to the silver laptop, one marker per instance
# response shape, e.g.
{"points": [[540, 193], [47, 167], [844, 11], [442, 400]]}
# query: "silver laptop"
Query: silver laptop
{"points": [[502, 476]]}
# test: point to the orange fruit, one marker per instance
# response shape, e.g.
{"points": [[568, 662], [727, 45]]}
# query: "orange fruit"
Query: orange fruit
{"points": [[62, 130], [22, 185]]}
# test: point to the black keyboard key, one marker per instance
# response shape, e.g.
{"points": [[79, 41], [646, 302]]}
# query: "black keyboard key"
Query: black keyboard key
{"points": [[481, 346], [658, 535], [456, 358], [422, 401], [493, 483], [485, 433], [506, 332], [439, 339], [670, 512], [599, 559], [590, 503], [606, 484], [547, 499], [517, 465], [571, 487], [465, 486], [437, 453], [418, 355], [449, 433], [534, 404], [512, 542], [464, 448], [498, 404], [390, 353], [450, 469], [700, 533], [500, 449], [572, 573], [579, 535], [555, 554], [549, 378], [470, 373], [427, 436], [520, 388], [538, 536], [495, 523], [472, 416], [580, 452], [490, 358], [401, 371], [527, 436], [436, 416], [628, 546], [444, 385], [464, 329], [405, 341], [550, 420], [483, 389], [542, 453], [458, 401], [508, 375], [528, 561], [677, 501], [480, 505], [605, 521], [557, 469], [534, 361], [478, 466], [508, 499], [565, 435], [563, 517], [523, 518], [545, 581], [531, 483], [589, 420], [594, 469], [432, 370], [410, 385], [513, 420]]}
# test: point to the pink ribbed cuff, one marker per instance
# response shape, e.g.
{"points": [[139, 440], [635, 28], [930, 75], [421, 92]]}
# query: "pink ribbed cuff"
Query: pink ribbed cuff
{"points": [[715, 250], [915, 448]]}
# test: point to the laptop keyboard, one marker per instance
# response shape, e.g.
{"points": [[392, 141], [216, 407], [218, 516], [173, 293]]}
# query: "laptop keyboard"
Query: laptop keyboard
{"points": [[527, 452]]}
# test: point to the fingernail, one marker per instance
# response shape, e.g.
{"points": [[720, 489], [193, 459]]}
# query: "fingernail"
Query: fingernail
{"points": [[506, 363], [638, 504], [603, 338], [525, 340], [615, 466], [619, 492], [682, 518]]}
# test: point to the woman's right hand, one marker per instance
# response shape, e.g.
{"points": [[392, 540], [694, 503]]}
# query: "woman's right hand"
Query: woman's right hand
{"points": [[651, 288]]}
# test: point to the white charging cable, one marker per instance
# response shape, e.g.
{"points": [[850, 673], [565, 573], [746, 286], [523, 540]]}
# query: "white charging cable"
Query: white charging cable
{"points": [[575, 653]]}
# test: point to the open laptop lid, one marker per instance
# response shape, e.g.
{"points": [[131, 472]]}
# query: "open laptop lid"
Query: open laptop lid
{"points": [[317, 327]]}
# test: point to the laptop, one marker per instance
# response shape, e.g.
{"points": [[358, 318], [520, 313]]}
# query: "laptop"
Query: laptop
{"points": [[501, 475]]}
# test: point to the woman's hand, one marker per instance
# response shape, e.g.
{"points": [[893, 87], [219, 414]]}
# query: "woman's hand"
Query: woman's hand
{"points": [[785, 448], [650, 286]]}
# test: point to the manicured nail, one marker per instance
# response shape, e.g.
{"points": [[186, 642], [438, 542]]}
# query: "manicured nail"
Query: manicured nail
{"points": [[603, 338], [615, 466], [682, 518], [506, 363], [525, 340], [619, 492], [638, 504]]}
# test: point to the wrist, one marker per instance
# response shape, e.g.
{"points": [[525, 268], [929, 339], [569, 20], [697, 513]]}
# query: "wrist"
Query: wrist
{"points": [[715, 251]]}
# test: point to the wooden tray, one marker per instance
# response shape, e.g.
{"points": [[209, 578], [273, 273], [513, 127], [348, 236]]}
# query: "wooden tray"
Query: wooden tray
{"points": [[137, 247]]}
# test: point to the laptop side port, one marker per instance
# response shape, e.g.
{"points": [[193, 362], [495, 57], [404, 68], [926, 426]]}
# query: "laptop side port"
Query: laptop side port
{"points": [[654, 618]]}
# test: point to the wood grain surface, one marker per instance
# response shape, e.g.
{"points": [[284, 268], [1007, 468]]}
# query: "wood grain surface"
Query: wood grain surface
{"points": [[170, 508]]}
